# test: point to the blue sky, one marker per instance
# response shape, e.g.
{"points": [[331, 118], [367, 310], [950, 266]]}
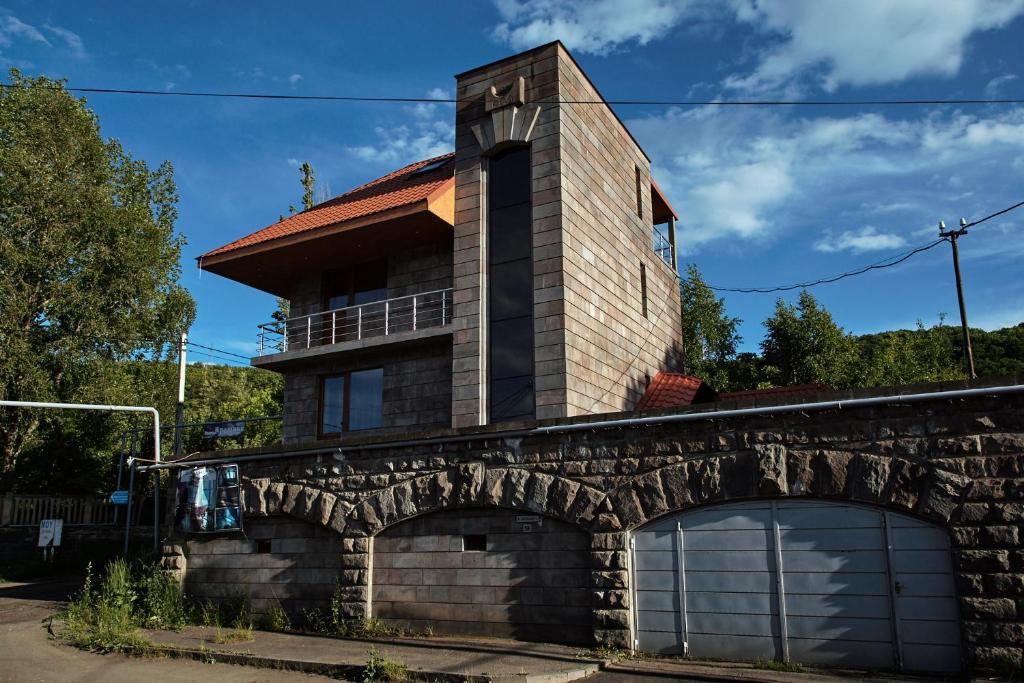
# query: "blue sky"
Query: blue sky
{"points": [[767, 196]]}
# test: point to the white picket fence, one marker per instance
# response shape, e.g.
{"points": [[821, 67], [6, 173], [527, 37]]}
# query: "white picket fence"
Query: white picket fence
{"points": [[18, 509]]}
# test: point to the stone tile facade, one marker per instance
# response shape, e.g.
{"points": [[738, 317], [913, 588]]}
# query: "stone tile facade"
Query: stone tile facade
{"points": [[958, 463], [593, 347]]}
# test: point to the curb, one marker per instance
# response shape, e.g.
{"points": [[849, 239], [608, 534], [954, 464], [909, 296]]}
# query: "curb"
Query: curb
{"points": [[352, 671]]}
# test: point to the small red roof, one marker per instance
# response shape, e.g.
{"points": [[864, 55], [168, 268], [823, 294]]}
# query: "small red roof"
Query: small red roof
{"points": [[670, 390], [399, 188]]}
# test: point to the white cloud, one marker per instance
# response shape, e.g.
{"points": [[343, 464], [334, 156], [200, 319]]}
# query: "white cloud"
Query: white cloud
{"points": [[859, 241], [590, 26], [864, 43], [749, 177], [294, 78], [994, 88], [12, 28], [403, 144], [70, 38], [293, 162]]}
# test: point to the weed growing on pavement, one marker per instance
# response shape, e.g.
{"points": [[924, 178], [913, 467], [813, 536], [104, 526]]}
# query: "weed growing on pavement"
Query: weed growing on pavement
{"points": [[104, 618], [380, 668], [235, 635], [772, 665], [276, 619]]}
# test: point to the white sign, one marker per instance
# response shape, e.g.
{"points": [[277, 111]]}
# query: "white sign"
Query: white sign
{"points": [[218, 430], [49, 532]]}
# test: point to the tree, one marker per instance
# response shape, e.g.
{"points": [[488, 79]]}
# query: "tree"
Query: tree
{"points": [[308, 185], [907, 356], [803, 345], [89, 259], [709, 335]]}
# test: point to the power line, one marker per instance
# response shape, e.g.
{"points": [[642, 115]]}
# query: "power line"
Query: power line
{"points": [[427, 100], [884, 263], [210, 348], [229, 361]]}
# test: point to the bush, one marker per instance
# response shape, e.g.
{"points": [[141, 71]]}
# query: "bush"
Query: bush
{"points": [[104, 619], [380, 668]]}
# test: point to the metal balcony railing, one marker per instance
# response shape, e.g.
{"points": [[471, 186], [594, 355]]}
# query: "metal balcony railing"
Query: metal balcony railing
{"points": [[662, 246], [355, 323]]}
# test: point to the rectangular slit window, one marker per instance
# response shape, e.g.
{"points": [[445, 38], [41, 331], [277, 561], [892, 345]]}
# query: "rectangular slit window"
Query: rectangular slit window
{"points": [[643, 288], [474, 542], [639, 194]]}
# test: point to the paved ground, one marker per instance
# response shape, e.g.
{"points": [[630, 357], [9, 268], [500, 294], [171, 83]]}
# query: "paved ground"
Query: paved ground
{"points": [[27, 654]]}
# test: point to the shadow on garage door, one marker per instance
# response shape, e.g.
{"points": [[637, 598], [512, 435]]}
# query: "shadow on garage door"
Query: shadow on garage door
{"points": [[861, 587], [485, 572]]}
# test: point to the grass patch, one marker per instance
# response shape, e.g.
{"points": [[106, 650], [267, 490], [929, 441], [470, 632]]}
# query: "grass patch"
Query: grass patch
{"points": [[380, 668], [773, 665], [235, 635], [103, 618]]}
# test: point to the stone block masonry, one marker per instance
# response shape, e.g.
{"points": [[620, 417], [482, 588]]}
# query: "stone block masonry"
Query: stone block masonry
{"points": [[958, 463]]}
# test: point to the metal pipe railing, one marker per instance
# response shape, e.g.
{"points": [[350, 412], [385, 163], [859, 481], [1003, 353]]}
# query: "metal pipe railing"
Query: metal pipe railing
{"points": [[355, 323]]}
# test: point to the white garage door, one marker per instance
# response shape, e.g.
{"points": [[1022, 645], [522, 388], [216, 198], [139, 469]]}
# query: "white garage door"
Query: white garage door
{"points": [[860, 587]]}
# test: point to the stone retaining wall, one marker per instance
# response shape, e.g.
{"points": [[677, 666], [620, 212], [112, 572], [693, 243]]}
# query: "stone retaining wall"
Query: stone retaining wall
{"points": [[956, 462]]}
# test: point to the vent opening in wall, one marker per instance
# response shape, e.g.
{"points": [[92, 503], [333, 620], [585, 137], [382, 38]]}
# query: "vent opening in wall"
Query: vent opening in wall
{"points": [[474, 542], [263, 545], [639, 193]]}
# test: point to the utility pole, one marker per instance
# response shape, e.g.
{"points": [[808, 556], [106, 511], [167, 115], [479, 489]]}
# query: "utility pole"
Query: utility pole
{"points": [[953, 236], [179, 413]]}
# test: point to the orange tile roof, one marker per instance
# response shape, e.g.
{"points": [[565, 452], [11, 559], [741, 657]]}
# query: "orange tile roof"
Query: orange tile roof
{"points": [[392, 191], [670, 390]]}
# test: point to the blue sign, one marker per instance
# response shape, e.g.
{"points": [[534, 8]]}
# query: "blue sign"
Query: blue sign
{"points": [[119, 497]]}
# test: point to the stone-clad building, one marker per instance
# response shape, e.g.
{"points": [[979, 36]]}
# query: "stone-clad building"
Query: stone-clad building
{"points": [[465, 335], [529, 275]]}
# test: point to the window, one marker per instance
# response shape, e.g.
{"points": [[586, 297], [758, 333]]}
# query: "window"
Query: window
{"points": [[643, 288], [510, 289], [639, 193], [360, 284], [432, 166], [474, 542], [352, 401]]}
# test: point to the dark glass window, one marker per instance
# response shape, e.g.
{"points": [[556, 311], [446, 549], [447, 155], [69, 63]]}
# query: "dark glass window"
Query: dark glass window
{"points": [[510, 286], [360, 284], [643, 289], [639, 194], [352, 401], [366, 399]]}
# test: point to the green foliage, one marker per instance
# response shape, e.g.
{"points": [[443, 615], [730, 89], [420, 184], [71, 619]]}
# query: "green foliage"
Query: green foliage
{"points": [[380, 668], [803, 345], [308, 184], [163, 603], [905, 357], [709, 335], [276, 619], [104, 619], [89, 261]]}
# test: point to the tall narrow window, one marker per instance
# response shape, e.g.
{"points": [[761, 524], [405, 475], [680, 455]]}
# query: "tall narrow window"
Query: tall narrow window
{"points": [[643, 288], [510, 288], [352, 401], [639, 193]]}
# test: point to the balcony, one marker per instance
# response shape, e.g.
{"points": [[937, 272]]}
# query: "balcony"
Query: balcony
{"points": [[663, 246], [371, 324]]}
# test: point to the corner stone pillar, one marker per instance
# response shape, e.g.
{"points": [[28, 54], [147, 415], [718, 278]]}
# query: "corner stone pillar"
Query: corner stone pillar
{"points": [[610, 583]]}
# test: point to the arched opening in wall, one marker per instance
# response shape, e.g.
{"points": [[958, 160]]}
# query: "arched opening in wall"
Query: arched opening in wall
{"points": [[492, 572], [807, 581]]}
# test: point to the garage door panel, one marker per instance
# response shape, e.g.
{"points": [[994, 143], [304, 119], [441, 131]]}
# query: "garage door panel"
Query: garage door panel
{"points": [[728, 518], [836, 583], [825, 516], [660, 642], [840, 628], [734, 647], [730, 560], [834, 539], [742, 603], [921, 561], [930, 658], [658, 560], [833, 560], [919, 585], [862, 655], [742, 539], [916, 538], [731, 624], [654, 580], [734, 582], [669, 622], [932, 608], [927, 632], [656, 540], [658, 601], [861, 606]]}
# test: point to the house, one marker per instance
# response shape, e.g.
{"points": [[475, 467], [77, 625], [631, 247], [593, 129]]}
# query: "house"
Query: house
{"points": [[492, 301], [528, 275]]}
